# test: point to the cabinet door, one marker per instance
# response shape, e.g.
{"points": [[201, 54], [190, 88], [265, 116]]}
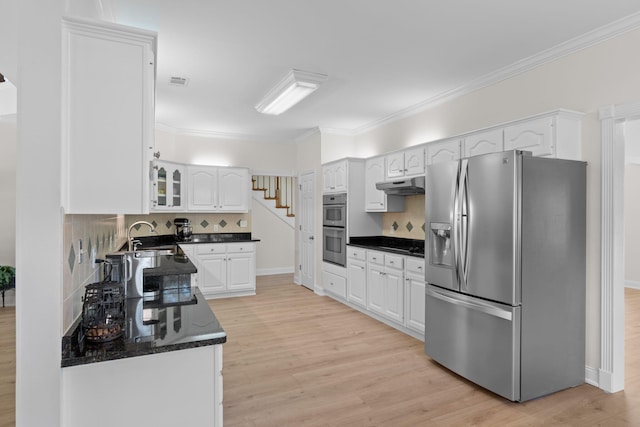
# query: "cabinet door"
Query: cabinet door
{"points": [[535, 136], [240, 272], [107, 116], [328, 179], [376, 289], [375, 200], [415, 304], [483, 142], [203, 188], [357, 282], [444, 151], [234, 188], [167, 186], [394, 294], [212, 273], [340, 172], [414, 161], [395, 165]]}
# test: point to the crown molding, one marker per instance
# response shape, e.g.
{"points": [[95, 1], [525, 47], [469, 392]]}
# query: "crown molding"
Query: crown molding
{"points": [[566, 48], [337, 131], [303, 136]]}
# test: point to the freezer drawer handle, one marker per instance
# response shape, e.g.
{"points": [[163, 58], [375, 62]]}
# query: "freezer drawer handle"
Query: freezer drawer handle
{"points": [[484, 308]]}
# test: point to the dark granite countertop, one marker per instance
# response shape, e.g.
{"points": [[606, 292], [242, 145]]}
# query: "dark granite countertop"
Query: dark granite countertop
{"points": [[179, 319], [396, 245], [170, 240]]}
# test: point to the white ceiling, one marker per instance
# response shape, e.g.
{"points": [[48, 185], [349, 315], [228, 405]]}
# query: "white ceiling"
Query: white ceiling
{"points": [[382, 57]]}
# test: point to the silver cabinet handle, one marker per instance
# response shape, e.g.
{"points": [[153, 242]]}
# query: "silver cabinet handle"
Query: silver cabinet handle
{"points": [[311, 238]]}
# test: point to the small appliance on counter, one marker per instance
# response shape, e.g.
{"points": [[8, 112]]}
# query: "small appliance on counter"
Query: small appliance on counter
{"points": [[183, 229], [127, 268]]}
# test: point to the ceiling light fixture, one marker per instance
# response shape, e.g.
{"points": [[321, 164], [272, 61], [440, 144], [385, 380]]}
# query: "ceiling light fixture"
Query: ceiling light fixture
{"points": [[293, 88]]}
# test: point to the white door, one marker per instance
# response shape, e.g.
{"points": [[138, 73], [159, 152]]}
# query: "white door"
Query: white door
{"points": [[307, 231]]}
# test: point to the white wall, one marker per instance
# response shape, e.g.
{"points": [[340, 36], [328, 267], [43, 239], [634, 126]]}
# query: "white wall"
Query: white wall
{"points": [[275, 251], [603, 74], [8, 142], [632, 204], [39, 214], [205, 150], [632, 225]]}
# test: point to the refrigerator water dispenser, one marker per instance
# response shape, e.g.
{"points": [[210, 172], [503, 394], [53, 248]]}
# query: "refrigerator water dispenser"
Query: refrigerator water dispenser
{"points": [[440, 253]]}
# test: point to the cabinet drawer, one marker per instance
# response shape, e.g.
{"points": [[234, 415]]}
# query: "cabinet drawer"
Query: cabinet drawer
{"points": [[394, 261], [335, 284], [415, 266], [240, 247], [357, 253], [374, 257], [211, 248]]}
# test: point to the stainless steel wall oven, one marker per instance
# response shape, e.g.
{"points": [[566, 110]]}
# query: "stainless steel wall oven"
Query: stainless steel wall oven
{"points": [[334, 237]]}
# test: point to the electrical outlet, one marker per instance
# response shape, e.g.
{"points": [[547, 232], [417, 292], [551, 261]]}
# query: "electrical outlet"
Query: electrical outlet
{"points": [[392, 230], [216, 227], [243, 223]]}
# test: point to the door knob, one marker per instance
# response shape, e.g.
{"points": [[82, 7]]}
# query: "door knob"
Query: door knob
{"points": [[311, 238]]}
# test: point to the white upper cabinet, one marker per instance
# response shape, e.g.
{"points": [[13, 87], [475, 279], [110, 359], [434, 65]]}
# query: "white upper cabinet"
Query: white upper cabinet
{"points": [[483, 143], [213, 189], [334, 177], [442, 151], [405, 163], [108, 85], [554, 135], [534, 136], [377, 200], [168, 186], [234, 187]]}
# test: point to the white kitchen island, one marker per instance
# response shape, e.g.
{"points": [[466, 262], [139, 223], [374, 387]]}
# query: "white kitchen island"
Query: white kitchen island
{"points": [[170, 374]]}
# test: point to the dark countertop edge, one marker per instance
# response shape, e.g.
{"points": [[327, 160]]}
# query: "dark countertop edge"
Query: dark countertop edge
{"points": [[86, 360]]}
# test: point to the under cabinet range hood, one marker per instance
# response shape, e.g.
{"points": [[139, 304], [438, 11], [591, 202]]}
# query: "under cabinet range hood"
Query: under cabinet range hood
{"points": [[403, 186]]}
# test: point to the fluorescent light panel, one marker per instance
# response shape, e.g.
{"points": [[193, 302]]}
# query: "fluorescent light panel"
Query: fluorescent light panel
{"points": [[293, 88]]}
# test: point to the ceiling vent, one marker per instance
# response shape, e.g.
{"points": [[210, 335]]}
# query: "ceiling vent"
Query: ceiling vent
{"points": [[178, 81]]}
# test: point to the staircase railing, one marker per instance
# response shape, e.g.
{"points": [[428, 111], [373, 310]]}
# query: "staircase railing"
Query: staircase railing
{"points": [[282, 189]]}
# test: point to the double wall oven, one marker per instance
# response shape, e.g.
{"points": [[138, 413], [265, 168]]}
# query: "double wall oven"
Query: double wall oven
{"points": [[334, 234]]}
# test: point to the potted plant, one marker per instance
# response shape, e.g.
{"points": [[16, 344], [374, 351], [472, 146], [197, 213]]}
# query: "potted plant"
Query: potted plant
{"points": [[7, 279]]}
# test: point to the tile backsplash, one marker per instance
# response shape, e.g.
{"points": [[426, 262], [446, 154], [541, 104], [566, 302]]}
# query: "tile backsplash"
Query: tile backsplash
{"points": [[409, 224], [201, 223], [85, 239]]}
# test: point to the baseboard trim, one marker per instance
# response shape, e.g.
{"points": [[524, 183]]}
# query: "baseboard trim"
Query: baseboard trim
{"points": [[272, 271], [591, 376], [634, 284]]}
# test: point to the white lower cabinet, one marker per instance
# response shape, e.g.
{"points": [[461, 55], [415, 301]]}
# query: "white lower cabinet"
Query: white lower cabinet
{"points": [[385, 285], [224, 269], [334, 284], [357, 276], [415, 294]]}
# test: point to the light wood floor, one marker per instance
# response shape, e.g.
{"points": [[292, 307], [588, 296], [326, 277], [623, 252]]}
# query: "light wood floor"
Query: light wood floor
{"points": [[296, 359]]}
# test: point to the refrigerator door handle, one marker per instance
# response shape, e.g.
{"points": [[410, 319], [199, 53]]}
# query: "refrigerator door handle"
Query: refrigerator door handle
{"points": [[461, 221], [480, 306]]}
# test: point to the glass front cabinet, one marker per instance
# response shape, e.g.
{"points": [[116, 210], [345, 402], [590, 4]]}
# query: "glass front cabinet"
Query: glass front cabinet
{"points": [[168, 186]]}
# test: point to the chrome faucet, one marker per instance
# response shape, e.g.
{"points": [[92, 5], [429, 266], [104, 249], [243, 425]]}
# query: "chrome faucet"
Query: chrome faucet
{"points": [[130, 239]]}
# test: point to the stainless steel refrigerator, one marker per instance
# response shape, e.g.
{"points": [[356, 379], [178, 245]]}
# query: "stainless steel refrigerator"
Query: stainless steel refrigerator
{"points": [[505, 252]]}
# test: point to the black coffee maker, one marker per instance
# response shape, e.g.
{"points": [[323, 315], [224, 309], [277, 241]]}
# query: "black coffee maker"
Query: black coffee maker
{"points": [[183, 229]]}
